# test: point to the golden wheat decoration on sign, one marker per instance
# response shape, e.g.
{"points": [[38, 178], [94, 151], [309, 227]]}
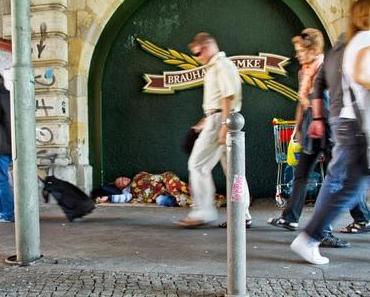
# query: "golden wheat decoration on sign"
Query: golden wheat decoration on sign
{"points": [[254, 77]]}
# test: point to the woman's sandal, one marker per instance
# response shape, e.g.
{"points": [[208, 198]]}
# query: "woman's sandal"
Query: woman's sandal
{"points": [[359, 227], [248, 224]]}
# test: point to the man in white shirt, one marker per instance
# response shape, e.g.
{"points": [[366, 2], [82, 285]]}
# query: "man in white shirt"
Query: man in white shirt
{"points": [[222, 94]]}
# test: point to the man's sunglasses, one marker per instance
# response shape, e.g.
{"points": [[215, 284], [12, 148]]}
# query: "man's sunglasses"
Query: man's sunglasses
{"points": [[199, 52]]}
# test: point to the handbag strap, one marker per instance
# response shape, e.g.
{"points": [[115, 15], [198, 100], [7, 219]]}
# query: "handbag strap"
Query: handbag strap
{"points": [[355, 107], [354, 103]]}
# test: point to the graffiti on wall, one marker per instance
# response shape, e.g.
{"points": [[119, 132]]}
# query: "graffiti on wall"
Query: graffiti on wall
{"points": [[51, 106], [43, 34], [44, 154], [253, 70], [48, 157], [43, 107], [47, 79], [44, 135], [54, 134]]}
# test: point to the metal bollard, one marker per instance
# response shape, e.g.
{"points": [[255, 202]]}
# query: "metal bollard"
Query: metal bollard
{"points": [[236, 204]]}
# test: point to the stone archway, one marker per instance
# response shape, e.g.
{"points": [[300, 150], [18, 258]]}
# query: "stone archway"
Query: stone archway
{"points": [[91, 20], [333, 14]]}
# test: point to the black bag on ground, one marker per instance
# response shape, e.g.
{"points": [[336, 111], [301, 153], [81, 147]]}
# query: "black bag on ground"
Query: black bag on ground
{"points": [[74, 202]]}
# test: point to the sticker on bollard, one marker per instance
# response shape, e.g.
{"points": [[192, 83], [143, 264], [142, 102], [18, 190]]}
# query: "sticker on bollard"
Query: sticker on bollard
{"points": [[237, 190]]}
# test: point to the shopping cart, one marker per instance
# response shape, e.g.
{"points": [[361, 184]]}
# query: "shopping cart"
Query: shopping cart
{"points": [[283, 131]]}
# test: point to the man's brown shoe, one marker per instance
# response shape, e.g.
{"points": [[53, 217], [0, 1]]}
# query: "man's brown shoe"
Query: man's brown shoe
{"points": [[189, 222]]}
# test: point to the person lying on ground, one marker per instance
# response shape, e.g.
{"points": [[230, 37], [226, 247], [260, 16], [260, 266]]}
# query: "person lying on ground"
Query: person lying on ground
{"points": [[116, 192]]}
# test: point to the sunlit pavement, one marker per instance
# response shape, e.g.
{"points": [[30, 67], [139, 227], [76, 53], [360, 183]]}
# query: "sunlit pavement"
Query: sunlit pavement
{"points": [[139, 251]]}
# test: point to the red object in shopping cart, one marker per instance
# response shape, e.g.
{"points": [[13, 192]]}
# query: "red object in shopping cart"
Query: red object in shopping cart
{"points": [[283, 131], [285, 135]]}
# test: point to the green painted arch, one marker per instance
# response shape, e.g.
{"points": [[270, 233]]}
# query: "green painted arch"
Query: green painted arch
{"points": [[98, 68]]}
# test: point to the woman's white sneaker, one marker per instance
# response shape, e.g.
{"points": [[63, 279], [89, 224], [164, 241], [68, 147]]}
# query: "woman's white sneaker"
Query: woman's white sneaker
{"points": [[308, 249]]}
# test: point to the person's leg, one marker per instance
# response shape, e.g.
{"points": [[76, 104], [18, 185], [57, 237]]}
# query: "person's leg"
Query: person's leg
{"points": [[344, 179], [6, 196], [294, 208], [340, 191], [361, 212], [204, 157], [1, 206], [248, 216], [292, 212], [202, 190], [361, 217], [330, 241]]}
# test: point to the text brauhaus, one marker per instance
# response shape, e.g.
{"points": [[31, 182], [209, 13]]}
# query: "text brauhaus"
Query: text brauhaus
{"points": [[190, 76], [183, 77]]}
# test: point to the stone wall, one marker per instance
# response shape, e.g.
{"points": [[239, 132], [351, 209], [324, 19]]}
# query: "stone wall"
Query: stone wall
{"points": [[333, 14], [4, 9], [64, 35], [86, 20], [50, 57]]}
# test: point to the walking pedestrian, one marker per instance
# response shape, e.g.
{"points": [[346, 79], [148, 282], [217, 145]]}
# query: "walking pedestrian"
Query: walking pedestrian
{"points": [[329, 79], [6, 195], [347, 178], [309, 47], [222, 94]]}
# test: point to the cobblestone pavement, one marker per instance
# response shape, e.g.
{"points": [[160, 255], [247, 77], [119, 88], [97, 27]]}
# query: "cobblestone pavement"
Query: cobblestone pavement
{"points": [[44, 282]]}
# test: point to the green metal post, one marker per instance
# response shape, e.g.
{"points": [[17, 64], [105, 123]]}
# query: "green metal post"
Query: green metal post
{"points": [[27, 225]]}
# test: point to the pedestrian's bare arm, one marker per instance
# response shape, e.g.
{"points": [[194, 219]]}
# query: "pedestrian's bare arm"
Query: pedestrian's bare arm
{"points": [[361, 72], [198, 127], [298, 120], [317, 127], [299, 115], [226, 108]]}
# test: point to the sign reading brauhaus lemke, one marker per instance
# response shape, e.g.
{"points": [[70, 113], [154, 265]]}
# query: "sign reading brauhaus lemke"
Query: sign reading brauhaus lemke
{"points": [[253, 70]]}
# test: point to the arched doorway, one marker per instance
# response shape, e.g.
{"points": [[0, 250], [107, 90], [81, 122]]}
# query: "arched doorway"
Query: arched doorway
{"points": [[131, 131]]}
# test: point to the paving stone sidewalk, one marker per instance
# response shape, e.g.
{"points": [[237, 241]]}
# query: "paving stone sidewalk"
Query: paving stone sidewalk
{"points": [[45, 282], [139, 251]]}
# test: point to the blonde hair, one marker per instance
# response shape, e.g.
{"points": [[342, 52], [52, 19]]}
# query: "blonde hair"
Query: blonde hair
{"points": [[359, 18], [311, 39]]}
